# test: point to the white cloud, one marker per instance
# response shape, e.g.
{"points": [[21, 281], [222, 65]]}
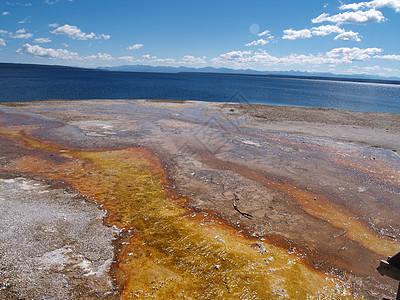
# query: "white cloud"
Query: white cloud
{"points": [[348, 36], [373, 68], [2, 43], [166, 60], [20, 4], [325, 30], [77, 34], [348, 55], [244, 58], [186, 60], [235, 57], [21, 34], [389, 57], [53, 25], [42, 40], [130, 59], [266, 38], [352, 17], [73, 32], [322, 30], [37, 51], [5, 13], [135, 47], [3, 31], [192, 60], [261, 57], [265, 33], [291, 34], [51, 2], [376, 4], [23, 21], [260, 42], [150, 59], [99, 56], [61, 54], [103, 36]]}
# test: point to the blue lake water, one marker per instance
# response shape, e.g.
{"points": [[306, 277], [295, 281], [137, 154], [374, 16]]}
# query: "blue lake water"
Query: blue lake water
{"points": [[27, 84]]}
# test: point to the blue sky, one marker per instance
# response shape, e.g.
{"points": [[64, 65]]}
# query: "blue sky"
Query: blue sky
{"points": [[343, 37]]}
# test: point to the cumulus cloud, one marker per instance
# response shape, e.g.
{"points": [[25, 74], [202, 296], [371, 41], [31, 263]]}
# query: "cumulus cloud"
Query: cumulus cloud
{"points": [[186, 60], [42, 40], [266, 38], [192, 60], [53, 25], [291, 34], [260, 42], [99, 56], [37, 51], [3, 31], [5, 13], [348, 36], [165, 60], [322, 30], [348, 55], [77, 34], [245, 58], [130, 59], [135, 47], [389, 57], [102, 36], [21, 34], [375, 4], [352, 17], [73, 32], [335, 56], [2, 43], [151, 59], [61, 54], [325, 30]]}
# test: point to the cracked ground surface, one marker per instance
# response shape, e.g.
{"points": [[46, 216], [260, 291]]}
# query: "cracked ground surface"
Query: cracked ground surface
{"points": [[118, 198]]}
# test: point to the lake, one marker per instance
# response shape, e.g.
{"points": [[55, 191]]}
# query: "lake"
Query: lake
{"points": [[27, 84]]}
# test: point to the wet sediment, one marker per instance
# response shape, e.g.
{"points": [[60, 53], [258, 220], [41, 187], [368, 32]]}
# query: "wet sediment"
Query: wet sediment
{"points": [[175, 242]]}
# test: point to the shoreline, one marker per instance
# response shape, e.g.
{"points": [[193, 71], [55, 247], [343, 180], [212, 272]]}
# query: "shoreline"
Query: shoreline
{"points": [[373, 129], [21, 103]]}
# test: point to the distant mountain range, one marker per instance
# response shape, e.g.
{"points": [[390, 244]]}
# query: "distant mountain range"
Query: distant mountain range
{"points": [[296, 74], [224, 71]]}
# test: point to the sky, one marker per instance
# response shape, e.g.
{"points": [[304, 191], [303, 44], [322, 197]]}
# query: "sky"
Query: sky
{"points": [[341, 37]]}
